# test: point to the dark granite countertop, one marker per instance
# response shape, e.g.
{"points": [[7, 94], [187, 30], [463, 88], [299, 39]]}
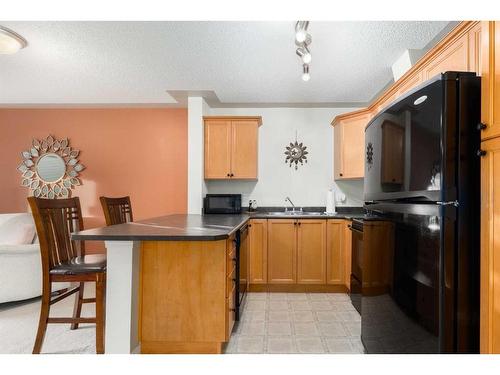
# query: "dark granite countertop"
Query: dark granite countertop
{"points": [[183, 227]]}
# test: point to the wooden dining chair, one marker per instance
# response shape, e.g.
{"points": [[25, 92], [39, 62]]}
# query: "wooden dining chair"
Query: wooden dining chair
{"points": [[64, 260], [116, 210]]}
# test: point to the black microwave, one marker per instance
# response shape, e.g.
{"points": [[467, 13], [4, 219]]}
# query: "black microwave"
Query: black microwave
{"points": [[222, 204]]}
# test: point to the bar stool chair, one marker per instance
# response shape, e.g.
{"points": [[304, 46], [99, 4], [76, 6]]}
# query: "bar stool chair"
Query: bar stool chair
{"points": [[64, 260], [116, 210]]}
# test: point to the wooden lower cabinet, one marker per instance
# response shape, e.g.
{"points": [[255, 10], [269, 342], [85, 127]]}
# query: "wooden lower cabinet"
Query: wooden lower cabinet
{"points": [[282, 251], [258, 251], [335, 252], [311, 251], [490, 247], [300, 255], [186, 302]]}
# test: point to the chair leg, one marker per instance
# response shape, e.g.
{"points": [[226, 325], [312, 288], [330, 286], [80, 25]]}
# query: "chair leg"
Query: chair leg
{"points": [[42, 322], [100, 287], [77, 309]]}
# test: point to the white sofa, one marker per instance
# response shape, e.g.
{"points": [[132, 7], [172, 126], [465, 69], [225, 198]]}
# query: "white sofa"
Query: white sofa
{"points": [[20, 264]]}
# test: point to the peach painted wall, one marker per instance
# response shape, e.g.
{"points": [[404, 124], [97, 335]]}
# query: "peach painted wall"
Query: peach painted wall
{"points": [[137, 152]]}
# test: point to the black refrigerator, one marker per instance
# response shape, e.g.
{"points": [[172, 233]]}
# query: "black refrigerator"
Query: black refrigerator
{"points": [[422, 174]]}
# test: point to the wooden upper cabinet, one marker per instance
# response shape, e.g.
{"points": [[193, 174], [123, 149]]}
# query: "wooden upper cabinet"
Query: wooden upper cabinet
{"points": [[349, 146], [282, 251], [490, 83], [409, 84], [454, 57], [231, 147], [245, 145], [490, 247], [218, 148], [311, 251], [335, 254], [258, 251]]}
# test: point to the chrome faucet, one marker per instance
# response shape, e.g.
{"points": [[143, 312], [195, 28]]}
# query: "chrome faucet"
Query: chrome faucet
{"points": [[294, 208]]}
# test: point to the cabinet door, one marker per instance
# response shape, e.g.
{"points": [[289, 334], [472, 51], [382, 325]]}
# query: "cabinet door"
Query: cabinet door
{"points": [[258, 251], [217, 149], [244, 149], [455, 57], [282, 251], [411, 82], [490, 247], [335, 257], [311, 252], [490, 82], [350, 147]]}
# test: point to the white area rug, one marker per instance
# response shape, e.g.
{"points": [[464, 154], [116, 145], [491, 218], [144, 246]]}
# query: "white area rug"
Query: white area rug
{"points": [[19, 323]]}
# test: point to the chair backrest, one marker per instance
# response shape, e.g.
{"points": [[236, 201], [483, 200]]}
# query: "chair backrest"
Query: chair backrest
{"points": [[117, 210], [55, 220]]}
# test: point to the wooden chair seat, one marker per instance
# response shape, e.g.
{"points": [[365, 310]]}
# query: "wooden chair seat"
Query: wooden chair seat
{"points": [[81, 265]]}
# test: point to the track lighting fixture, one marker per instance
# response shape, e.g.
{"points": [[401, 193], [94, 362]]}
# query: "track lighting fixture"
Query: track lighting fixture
{"points": [[305, 73], [304, 54], [303, 40]]}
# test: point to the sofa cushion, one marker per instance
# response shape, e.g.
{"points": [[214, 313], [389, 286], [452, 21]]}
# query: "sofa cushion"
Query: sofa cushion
{"points": [[17, 230]]}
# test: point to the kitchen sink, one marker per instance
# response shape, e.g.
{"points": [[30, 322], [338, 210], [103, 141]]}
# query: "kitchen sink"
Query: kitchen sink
{"points": [[294, 213]]}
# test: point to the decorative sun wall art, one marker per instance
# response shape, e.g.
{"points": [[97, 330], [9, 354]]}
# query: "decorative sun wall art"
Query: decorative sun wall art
{"points": [[296, 153], [50, 168]]}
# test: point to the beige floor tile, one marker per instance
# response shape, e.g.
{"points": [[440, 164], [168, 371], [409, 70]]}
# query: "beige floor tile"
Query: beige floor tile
{"points": [[279, 316], [332, 330], [357, 345], [278, 296], [279, 329], [250, 344], [339, 297], [318, 296], [343, 346], [321, 305], [311, 345], [305, 328], [349, 316], [353, 328], [327, 316], [280, 345], [300, 305], [256, 305], [279, 305], [253, 329], [256, 296], [342, 306], [302, 316], [254, 316], [296, 296]]}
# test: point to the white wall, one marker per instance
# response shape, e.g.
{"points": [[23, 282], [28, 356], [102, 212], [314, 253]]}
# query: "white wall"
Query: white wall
{"points": [[197, 108], [306, 186]]}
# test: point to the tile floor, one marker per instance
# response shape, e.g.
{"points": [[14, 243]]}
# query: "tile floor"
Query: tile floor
{"points": [[309, 323]]}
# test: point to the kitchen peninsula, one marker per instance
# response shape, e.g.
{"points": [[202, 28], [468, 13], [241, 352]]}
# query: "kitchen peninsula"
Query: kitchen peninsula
{"points": [[171, 280]]}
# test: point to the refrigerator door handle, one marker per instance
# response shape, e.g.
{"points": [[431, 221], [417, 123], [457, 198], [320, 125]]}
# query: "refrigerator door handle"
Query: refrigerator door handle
{"points": [[450, 203]]}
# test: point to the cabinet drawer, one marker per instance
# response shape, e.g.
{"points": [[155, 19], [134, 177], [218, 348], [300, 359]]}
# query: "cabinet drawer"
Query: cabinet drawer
{"points": [[231, 282]]}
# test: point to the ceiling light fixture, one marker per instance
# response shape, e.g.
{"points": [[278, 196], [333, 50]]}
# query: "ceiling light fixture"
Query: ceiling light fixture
{"points": [[10, 41], [304, 54], [305, 73], [303, 40]]}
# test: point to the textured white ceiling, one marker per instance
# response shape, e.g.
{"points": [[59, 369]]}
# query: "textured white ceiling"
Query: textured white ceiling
{"points": [[241, 62]]}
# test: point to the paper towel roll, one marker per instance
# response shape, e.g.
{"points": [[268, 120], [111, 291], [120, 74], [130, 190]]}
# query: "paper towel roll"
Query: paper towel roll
{"points": [[330, 202]]}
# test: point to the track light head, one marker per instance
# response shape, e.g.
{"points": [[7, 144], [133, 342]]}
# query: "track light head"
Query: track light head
{"points": [[304, 54], [305, 73]]}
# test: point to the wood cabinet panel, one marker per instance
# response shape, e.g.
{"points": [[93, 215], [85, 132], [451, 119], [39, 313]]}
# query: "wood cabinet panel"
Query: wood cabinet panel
{"points": [[453, 57], [490, 83], [311, 252], [217, 149], [282, 251], [335, 254], [474, 48], [349, 145], [244, 148], [490, 247], [409, 83], [258, 251]]}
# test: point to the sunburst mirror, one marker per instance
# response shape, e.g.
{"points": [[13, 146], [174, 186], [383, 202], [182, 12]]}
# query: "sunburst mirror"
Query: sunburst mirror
{"points": [[50, 168], [296, 153]]}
